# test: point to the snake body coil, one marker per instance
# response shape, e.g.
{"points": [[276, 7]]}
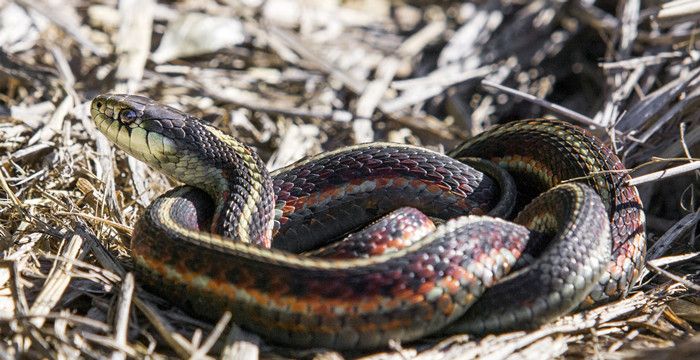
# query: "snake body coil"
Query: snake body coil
{"points": [[212, 259]]}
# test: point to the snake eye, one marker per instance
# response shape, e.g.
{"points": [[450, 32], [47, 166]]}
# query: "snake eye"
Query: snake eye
{"points": [[127, 116]]}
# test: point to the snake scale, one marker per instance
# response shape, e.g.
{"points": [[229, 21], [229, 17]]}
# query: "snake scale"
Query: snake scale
{"points": [[232, 238]]}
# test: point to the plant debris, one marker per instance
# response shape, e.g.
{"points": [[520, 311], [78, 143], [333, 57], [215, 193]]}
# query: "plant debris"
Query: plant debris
{"points": [[295, 78]]}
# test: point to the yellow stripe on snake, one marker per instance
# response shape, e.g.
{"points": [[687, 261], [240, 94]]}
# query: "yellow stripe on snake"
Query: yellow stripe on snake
{"points": [[232, 238]]}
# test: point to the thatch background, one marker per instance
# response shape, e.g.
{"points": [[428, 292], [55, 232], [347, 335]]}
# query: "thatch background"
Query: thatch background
{"points": [[294, 78]]}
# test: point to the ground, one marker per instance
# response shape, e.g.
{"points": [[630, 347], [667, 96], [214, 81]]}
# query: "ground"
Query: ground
{"points": [[295, 78]]}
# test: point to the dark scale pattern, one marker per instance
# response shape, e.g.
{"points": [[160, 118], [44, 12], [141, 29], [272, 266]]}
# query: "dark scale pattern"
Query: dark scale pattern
{"points": [[408, 293], [391, 233], [406, 296], [237, 167], [559, 278], [543, 153], [335, 193]]}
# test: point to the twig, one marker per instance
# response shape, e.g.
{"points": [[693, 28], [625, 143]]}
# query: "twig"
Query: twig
{"points": [[431, 86], [127, 230], [674, 259], [677, 11], [674, 277], [663, 174], [133, 41], [110, 343], [558, 109], [416, 42], [213, 336], [634, 63], [57, 281], [296, 44], [121, 319], [664, 243], [240, 345], [64, 24]]}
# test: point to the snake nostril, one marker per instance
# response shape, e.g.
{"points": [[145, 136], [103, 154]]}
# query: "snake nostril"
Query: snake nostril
{"points": [[98, 105]]}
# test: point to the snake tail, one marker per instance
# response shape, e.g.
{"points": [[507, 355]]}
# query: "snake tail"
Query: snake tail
{"points": [[543, 153], [572, 217]]}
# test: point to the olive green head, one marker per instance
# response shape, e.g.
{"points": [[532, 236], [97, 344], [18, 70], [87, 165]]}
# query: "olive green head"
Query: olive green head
{"points": [[141, 127], [163, 137]]}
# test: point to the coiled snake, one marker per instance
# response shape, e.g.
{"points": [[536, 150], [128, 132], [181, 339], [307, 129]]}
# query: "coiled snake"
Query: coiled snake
{"points": [[586, 230]]}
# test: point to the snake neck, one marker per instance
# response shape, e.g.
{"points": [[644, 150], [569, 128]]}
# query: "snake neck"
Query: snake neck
{"points": [[243, 209], [230, 172], [241, 188]]}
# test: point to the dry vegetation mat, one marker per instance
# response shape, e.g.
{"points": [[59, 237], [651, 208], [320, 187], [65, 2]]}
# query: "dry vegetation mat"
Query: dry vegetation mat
{"points": [[295, 78]]}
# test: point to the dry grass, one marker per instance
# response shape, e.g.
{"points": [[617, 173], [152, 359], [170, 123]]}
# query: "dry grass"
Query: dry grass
{"points": [[296, 78]]}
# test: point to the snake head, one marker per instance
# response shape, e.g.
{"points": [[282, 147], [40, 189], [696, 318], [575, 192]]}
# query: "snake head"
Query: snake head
{"points": [[145, 129], [177, 144], [190, 151]]}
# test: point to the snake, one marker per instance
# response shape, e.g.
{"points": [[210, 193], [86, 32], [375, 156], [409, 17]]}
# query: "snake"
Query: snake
{"points": [[238, 238]]}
